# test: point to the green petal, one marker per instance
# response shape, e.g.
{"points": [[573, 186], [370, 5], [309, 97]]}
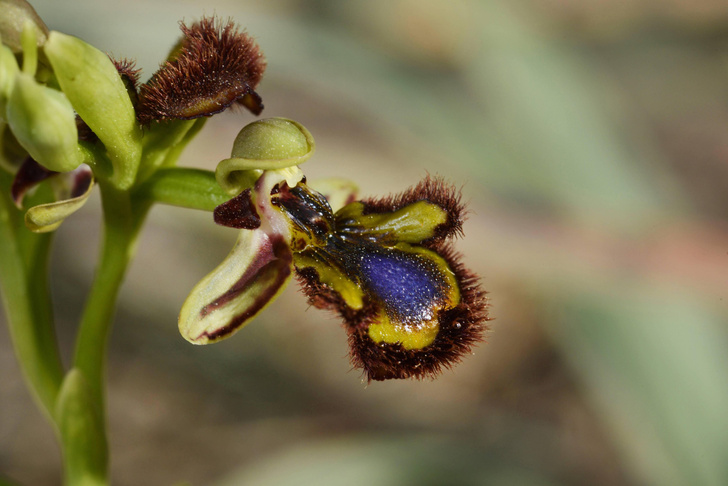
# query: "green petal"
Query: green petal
{"points": [[43, 122], [254, 273], [48, 217], [96, 91], [270, 144], [413, 223]]}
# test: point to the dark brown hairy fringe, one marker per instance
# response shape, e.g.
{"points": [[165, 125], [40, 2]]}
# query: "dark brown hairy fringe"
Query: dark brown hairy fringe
{"points": [[128, 71], [460, 328], [431, 189], [215, 66], [129, 76]]}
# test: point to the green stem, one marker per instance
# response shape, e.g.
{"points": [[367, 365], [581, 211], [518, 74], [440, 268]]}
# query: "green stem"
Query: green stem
{"points": [[117, 248], [26, 298]]}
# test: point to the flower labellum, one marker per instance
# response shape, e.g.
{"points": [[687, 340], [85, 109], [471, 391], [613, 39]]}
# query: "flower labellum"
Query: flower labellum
{"points": [[409, 306]]}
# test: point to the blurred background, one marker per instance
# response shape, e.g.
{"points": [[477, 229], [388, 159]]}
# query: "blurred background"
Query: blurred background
{"points": [[591, 140]]}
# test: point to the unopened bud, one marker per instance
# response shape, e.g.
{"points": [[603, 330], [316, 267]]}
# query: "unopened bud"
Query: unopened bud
{"points": [[14, 15], [43, 122]]}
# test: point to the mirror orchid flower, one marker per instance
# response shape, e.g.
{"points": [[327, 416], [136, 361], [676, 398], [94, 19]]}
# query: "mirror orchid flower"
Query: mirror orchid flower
{"points": [[385, 266]]}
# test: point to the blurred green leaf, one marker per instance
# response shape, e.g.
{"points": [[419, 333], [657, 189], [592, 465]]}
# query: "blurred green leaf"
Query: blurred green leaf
{"points": [[655, 363], [384, 461]]}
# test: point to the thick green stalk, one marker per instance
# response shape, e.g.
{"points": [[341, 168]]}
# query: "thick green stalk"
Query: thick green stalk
{"points": [[26, 298], [81, 410], [117, 248]]}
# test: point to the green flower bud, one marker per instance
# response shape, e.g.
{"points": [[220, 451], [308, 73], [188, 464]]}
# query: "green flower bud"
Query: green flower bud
{"points": [[95, 89], [270, 144], [8, 70], [14, 15], [43, 122]]}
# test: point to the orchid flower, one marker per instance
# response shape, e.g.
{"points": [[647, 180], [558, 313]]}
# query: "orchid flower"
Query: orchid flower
{"points": [[386, 266]]}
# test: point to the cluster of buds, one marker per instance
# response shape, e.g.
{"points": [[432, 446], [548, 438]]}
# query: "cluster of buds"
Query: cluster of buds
{"points": [[386, 266]]}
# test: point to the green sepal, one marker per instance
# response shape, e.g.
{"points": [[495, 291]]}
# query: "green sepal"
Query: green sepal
{"points": [[81, 427], [93, 85], [48, 217], [413, 223], [43, 122], [269, 144], [338, 191]]}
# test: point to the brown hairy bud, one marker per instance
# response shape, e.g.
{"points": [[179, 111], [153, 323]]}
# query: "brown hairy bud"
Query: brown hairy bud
{"points": [[213, 67]]}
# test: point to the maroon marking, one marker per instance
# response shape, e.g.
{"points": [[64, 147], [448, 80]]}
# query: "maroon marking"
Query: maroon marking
{"points": [[30, 174], [82, 179], [275, 258], [238, 212]]}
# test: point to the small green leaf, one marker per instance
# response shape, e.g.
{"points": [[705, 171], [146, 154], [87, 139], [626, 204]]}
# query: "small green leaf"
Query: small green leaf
{"points": [[184, 187]]}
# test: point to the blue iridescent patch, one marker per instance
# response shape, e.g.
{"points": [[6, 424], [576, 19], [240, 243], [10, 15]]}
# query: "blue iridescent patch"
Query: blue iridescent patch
{"points": [[407, 284]]}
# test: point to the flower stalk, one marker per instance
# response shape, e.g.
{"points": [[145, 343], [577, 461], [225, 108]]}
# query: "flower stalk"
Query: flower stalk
{"points": [[121, 229]]}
